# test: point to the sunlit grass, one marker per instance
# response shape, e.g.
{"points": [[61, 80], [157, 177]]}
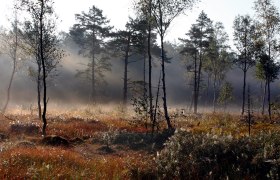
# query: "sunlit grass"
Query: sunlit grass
{"points": [[226, 124], [23, 155], [58, 163]]}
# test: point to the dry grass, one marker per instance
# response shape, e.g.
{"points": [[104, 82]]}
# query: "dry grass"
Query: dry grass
{"points": [[58, 163], [41, 162], [227, 124], [74, 129], [23, 156]]}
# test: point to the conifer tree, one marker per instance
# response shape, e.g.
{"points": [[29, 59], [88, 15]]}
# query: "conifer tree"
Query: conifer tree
{"points": [[90, 33]]}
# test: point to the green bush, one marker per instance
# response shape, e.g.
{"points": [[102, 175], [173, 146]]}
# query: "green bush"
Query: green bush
{"points": [[206, 156]]}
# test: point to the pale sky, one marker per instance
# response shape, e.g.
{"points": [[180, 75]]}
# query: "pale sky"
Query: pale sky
{"points": [[119, 10]]}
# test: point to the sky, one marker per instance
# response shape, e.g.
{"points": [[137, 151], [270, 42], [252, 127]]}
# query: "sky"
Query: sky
{"points": [[118, 11]]}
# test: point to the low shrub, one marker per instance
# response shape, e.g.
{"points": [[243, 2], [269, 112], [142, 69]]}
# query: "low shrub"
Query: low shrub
{"points": [[54, 140], [73, 129], [3, 137], [24, 128], [199, 156]]}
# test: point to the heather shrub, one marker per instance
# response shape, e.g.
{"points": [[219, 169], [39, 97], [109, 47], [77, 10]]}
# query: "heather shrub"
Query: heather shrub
{"points": [[199, 156], [25, 128], [109, 136]]}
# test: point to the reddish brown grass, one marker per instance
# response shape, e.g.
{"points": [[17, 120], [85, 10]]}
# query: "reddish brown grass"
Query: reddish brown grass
{"points": [[59, 163], [84, 161], [74, 129]]}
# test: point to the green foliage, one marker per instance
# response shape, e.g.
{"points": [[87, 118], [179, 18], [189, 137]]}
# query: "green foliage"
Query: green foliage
{"points": [[225, 95], [275, 106], [268, 40], [140, 103], [90, 33], [101, 65], [217, 57], [125, 42], [268, 19], [140, 107], [137, 32], [267, 69], [245, 35], [194, 50], [109, 136], [29, 31], [199, 36], [165, 11]]}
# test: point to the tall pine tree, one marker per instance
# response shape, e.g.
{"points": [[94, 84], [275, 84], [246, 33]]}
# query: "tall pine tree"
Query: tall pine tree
{"points": [[90, 32]]}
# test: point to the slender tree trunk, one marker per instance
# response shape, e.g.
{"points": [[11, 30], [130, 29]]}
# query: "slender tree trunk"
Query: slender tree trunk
{"points": [[145, 91], [14, 57], [164, 86], [10, 83], [125, 82], [191, 104], [125, 79], [264, 96], [156, 105], [163, 70], [93, 92], [214, 93], [44, 69], [39, 91], [144, 78], [198, 80], [199, 76], [249, 111], [243, 92], [195, 85], [207, 101], [93, 79], [45, 107], [244, 76], [269, 99], [150, 63], [269, 80]]}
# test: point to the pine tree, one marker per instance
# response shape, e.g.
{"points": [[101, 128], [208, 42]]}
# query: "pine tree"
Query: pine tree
{"points": [[90, 33], [195, 48]]}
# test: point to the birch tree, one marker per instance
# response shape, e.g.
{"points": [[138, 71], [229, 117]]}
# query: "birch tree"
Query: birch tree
{"points": [[39, 33], [164, 12]]}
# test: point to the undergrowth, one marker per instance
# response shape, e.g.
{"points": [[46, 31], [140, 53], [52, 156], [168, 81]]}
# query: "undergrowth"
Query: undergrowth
{"points": [[204, 146], [208, 156]]}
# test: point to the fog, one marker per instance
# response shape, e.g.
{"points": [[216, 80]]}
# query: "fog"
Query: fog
{"points": [[69, 89]]}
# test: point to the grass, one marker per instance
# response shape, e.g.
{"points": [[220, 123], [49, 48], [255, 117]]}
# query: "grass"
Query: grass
{"points": [[134, 151], [58, 163]]}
